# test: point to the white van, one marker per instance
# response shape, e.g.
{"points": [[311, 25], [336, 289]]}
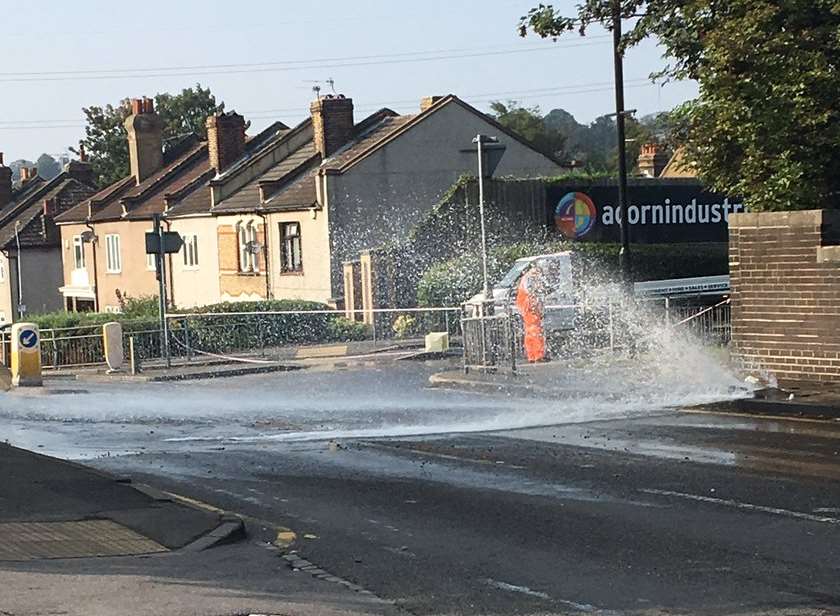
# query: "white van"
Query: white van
{"points": [[559, 303]]}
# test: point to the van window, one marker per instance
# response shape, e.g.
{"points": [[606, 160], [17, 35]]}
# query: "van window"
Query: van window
{"points": [[513, 275]]}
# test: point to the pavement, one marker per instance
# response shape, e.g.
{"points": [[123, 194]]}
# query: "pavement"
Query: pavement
{"points": [[268, 360]]}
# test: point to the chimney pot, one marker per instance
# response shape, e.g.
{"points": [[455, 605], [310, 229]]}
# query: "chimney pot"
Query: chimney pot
{"points": [[428, 101], [145, 139], [225, 139], [332, 123], [652, 159]]}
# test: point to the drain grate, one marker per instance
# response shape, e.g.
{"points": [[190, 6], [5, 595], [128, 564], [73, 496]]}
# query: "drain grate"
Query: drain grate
{"points": [[37, 540]]}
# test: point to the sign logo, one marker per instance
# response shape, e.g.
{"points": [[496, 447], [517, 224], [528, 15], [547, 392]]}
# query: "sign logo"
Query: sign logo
{"points": [[575, 215], [28, 339]]}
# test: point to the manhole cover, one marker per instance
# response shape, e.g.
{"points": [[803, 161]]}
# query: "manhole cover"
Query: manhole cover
{"points": [[36, 540]]}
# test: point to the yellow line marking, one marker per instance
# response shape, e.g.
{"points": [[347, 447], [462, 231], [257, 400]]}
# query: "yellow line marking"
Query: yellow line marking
{"points": [[285, 537], [328, 351]]}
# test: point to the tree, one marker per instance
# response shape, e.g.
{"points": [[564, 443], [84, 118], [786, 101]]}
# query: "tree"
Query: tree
{"points": [[765, 125], [48, 167], [529, 123], [105, 137]]}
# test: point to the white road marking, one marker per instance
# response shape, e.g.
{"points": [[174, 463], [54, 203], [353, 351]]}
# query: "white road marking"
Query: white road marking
{"points": [[746, 506], [514, 588]]}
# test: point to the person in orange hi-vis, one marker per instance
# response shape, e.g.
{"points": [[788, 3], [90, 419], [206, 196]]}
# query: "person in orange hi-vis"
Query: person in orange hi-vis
{"points": [[529, 300]]}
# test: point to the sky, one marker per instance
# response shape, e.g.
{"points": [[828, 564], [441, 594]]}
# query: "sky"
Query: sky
{"points": [[262, 59]]}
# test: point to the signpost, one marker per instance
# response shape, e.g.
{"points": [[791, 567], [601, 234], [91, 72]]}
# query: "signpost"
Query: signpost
{"points": [[26, 355], [161, 243]]}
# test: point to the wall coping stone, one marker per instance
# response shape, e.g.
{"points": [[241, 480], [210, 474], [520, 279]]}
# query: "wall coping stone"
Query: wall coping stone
{"points": [[793, 219]]}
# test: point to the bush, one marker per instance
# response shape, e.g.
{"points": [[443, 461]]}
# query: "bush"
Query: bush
{"points": [[340, 329]]}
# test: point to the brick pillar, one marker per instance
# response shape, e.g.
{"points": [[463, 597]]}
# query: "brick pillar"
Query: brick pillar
{"points": [[225, 139], [785, 277], [332, 123]]}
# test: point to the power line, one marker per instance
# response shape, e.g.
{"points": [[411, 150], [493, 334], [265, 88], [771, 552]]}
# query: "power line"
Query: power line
{"points": [[539, 94], [272, 67]]}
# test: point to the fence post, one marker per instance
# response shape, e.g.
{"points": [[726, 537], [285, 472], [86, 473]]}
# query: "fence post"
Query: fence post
{"points": [[612, 328], [261, 334], [187, 340], [373, 327], [667, 312], [512, 337], [132, 353]]}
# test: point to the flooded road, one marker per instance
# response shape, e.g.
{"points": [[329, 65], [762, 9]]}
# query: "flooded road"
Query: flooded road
{"points": [[450, 502]]}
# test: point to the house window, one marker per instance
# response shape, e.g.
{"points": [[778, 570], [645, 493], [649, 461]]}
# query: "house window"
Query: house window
{"points": [[248, 248], [290, 255], [78, 252], [113, 258], [190, 251]]}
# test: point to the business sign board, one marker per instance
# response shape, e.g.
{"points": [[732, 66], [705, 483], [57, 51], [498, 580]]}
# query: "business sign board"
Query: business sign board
{"points": [[659, 212]]}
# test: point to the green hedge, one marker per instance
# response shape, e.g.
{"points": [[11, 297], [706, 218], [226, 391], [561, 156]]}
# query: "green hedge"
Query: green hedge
{"points": [[450, 282]]}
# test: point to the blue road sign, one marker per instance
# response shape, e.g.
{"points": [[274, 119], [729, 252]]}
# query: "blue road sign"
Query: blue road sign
{"points": [[28, 338]]}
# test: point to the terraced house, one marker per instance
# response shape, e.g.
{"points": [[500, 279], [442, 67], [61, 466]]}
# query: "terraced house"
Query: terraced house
{"points": [[275, 215], [30, 246]]}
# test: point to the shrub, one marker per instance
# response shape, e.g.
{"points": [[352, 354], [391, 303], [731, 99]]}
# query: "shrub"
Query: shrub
{"points": [[340, 329]]}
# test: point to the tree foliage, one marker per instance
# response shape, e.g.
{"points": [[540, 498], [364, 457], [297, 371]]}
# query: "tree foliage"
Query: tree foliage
{"points": [[766, 124], [105, 137], [529, 123]]}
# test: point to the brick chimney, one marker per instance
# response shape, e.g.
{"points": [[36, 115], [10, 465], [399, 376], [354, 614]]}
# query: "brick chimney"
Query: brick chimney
{"points": [[5, 184], [332, 123], [145, 139], [652, 160], [225, 139], [428, 101], [27, 174]]}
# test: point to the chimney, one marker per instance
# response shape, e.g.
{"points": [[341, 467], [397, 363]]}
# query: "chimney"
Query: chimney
{"points": [[332, 123], [145, 139], [225, 139], [81, 170], [5, 184], [27, 174], [428, 101], [652, 160]]}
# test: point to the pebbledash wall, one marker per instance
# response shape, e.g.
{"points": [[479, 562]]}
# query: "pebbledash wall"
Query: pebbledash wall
{"points": [[785, 278]]}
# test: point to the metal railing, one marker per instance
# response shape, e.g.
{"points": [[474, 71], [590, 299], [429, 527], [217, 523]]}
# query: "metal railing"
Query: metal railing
{"points": [[491, 341]]}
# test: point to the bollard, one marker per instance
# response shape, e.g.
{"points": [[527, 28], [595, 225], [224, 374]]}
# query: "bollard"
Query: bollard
{"points": [[112, 342], [26, 355]]}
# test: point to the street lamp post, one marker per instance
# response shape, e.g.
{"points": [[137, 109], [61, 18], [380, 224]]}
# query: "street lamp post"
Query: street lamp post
{"points": [[490, 148]]}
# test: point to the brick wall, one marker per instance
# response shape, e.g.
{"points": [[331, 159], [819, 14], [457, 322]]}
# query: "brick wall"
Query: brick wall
{"points": [[785, 270]]}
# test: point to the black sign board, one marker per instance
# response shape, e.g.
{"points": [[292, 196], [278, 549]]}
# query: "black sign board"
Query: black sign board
{"points": [[172, 243], [660, 211]]}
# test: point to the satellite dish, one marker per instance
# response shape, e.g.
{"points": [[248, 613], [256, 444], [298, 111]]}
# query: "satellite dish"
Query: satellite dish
{"points": [[89, 237], [253, 247]]}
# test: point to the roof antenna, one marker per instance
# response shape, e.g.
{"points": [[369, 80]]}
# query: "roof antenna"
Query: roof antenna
{"points": [[331, 84], [317, 90]]}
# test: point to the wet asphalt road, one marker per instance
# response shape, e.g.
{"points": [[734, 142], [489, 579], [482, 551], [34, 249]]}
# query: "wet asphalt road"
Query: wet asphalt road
{"points": [[660, 512]]}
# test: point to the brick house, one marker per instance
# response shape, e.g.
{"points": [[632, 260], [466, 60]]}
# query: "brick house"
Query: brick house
{"points": [[289, 212], [30, 244]]}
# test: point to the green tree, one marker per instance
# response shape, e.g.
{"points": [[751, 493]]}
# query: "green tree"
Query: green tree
{"points": [[105, 139], [529, 123], [765, 125]]}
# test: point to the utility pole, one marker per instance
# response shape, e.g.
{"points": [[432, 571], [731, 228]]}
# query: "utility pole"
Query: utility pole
{"points": [[618, 54]]}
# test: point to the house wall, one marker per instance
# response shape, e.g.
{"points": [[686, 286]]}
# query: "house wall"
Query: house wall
{"points": [[235, 286], [135, 279], [785, 279], [199, 286], [314, 282], [6, 301], [383, 196]]}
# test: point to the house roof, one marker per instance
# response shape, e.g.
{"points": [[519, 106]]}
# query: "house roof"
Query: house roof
{"points": [[356, 152], [677, 167], [30, 204]]}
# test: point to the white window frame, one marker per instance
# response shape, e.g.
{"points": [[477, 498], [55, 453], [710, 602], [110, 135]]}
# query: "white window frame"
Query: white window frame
{"points": [[295, 242], [78, 253], [2, 271], [151, 265], [113, 254], [248, 262], [190, 250]]}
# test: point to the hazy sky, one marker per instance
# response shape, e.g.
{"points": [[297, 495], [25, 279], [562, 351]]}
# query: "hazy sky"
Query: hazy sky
{"points": [[261, 57]]}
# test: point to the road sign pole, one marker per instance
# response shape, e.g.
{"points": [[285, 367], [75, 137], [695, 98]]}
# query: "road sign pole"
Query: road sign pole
{"points": [[160, 262]]}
